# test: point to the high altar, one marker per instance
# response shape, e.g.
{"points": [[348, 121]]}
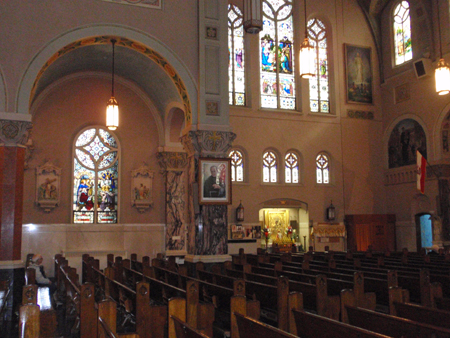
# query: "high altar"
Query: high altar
{"points": [[332, 235]]}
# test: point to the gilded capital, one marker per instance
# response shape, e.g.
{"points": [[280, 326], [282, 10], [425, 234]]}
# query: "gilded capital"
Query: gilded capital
{"points": [[14, 133], [208, 143], [172, 160]]}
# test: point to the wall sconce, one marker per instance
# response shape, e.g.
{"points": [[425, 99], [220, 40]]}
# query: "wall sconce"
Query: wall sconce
{"points": [[331, 212], [240, 213]]}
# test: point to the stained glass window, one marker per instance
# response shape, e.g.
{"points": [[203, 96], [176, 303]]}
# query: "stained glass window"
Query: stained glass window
{"points": [[277, 57], [95, 177], [402, 33], [237, 165], [322, 169], [269, 167], [291, 173], [236, 57], [318, 84]]}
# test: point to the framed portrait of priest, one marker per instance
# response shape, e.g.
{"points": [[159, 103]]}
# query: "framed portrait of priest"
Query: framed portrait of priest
{"points": [[214, 180]]}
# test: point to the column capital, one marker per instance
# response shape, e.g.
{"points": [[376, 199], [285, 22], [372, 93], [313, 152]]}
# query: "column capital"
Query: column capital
{"points": [[208, 143], [172, 160], [14, 133]]}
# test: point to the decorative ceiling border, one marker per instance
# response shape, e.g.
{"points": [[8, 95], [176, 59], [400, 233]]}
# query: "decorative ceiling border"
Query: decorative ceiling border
{"points": [[136, 46], [156, 4]]}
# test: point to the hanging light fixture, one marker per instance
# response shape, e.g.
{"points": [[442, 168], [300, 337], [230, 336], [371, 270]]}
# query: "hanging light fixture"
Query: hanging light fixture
{"points": [[306, 54], [112, 108], [253, 22], [442, 74], [331, 212]]}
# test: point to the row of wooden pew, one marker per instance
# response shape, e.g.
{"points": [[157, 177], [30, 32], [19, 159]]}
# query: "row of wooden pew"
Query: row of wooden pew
{"points": [[253, 295]]}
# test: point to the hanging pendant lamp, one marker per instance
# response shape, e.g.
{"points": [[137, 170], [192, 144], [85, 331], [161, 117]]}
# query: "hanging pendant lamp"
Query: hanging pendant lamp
{"points": [[112, 108], [253, 22], [306, 54], [442, 73]]}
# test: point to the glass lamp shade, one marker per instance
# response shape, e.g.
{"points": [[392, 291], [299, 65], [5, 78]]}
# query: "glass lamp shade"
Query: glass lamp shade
{"points": [[253, 22], [112, 114], [307, 59], [442, 76], [331, 212]]}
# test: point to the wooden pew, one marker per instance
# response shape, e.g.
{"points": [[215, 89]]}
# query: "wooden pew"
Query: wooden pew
{"points": [[29, 321], [153, 300], [422, 314], [392, 325], [310, 326], [315, 294], [34, 295], [251, 328], [183, 330]]}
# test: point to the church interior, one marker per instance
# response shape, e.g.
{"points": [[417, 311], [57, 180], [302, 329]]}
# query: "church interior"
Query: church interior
{"points": [[225, 146]]}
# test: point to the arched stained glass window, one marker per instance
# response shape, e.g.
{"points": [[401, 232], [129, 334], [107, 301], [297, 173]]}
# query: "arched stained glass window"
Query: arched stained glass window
{"points": [[237, 165], [318, 84], [277, 57], [402, 33], [322, 169], [95, 177], [269, 167], [236, 65], [291, 172]]}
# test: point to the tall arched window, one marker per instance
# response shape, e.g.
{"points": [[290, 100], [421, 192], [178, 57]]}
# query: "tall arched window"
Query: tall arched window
{"points": [[291, 172], [322, 169], [402, 33], [237, 165], [236, 64], [269, 167], [95, 176], [277, 57], [318, 84]]}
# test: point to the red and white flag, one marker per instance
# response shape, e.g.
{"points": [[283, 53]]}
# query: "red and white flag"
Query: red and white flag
{"points": [[421, 171]]}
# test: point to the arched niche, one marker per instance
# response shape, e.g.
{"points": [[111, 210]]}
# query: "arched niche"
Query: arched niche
{"points": [[174, 70]]}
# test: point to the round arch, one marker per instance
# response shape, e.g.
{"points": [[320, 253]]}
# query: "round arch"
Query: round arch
{"points": [[437, 146], [130, 38], [390, 128]]}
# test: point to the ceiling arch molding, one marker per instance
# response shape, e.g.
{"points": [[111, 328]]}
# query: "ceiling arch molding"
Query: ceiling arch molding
{"points": [[172, 67]]}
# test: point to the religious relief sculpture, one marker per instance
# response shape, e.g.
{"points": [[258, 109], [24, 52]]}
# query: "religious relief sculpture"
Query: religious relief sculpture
{"points": [[47, 186], [141, 188]]}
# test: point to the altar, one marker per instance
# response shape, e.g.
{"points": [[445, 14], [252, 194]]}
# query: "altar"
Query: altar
{"points": [[331, 235]]}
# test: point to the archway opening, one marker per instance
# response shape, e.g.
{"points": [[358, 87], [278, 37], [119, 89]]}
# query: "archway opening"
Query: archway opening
{"points": [[424, 231]]}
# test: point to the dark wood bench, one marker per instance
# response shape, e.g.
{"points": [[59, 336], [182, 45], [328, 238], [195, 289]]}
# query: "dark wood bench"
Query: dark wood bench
{"points": [[311, 326], [392, 325]]}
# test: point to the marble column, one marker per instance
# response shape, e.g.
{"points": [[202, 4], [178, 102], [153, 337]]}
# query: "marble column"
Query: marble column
{"points": [[208, 224], [13, 137], [173, 167]]}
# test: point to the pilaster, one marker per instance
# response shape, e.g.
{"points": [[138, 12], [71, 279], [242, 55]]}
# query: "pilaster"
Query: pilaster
{"points": [[14, 135], [173, 167], [208, 224]]}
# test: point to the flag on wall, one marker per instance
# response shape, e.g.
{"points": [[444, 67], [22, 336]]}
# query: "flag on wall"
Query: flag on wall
{"points": [[421, 171]]}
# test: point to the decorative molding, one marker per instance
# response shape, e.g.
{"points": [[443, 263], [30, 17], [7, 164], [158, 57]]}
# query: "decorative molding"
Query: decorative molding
{"points": [[48, 184], [208, 143], [134, 45], [142, 188], [402, 93], [155, 4], [212, 108], [212, 33], [172, 160], [360, 114], [14, 133]]}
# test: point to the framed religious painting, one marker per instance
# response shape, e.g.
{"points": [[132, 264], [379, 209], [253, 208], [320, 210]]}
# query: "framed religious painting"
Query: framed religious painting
{"points": [[214, 180], [358, 74]]}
